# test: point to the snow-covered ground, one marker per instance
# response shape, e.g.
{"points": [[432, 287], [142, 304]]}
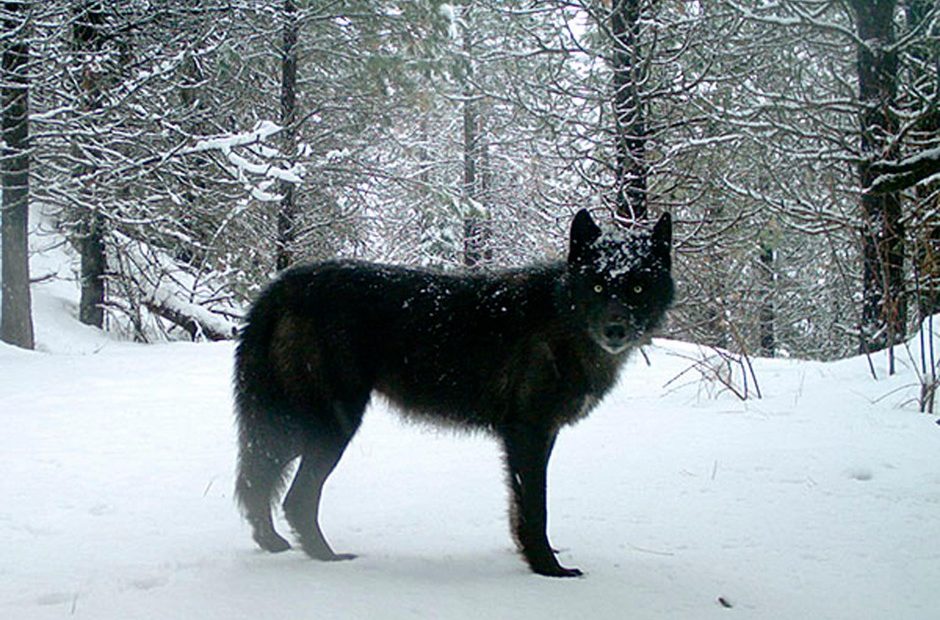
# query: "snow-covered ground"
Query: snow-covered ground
{"points": [[821, 500]]}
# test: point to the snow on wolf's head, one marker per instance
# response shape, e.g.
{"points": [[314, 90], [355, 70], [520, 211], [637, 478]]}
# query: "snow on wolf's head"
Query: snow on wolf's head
{"points": [[620, 281]]}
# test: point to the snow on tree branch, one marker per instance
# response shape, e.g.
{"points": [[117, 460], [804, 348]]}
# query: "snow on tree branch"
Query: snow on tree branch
{"points": [[172, 293], [905, 173], [245, 168]]}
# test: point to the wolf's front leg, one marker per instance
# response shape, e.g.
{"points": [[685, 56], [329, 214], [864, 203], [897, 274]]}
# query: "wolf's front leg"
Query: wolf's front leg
{"points": [[527, 452]]}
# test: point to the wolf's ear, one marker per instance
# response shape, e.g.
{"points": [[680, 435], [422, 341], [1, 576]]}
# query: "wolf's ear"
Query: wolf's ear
{"points": [[584, 232], [662, 235]]}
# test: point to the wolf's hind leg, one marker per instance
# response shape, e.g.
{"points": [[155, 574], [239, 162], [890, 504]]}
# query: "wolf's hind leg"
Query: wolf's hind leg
{"points": [[260, 476], [324, 448]]}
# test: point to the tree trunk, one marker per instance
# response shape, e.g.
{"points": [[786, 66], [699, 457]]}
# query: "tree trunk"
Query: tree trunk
{"points": [[16, 323], [94, 264], [883, 306], [927, 269], [927, 196], [768, 339], [475, 228], [631, 137], [287, 211], [87, 39]]}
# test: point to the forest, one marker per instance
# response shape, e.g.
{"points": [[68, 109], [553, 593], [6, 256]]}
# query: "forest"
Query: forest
{"points": [[186, 151], [768, 455]]}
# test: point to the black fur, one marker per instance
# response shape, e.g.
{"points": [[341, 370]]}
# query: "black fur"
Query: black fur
{"points": [[519, 354]]}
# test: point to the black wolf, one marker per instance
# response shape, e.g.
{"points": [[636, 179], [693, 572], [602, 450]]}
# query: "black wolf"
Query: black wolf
{"points": [[519, 354]]}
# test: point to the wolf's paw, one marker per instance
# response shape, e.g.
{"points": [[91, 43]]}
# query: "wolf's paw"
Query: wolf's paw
{"points": [[329, 556], [558, 571], [321, 551], [272, 542]]}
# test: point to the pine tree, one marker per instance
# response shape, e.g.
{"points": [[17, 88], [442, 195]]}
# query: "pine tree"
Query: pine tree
{"points": [[16, 325]]}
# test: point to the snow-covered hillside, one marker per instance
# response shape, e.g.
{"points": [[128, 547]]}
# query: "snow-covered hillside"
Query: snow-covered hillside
{"points": [[821, 500]]}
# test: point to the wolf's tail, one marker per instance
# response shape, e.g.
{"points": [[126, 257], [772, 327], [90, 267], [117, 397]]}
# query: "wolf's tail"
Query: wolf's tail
{"points": [[264, 438]]}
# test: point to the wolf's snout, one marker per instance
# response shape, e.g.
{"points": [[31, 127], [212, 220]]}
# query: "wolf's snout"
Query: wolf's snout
{"points": [[615, 332]]}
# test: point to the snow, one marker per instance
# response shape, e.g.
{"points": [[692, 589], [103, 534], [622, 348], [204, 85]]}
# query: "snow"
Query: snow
{"points": [[168, 287], [821, 500], [927, 155], [244, 167], [906, 169], [262, 130], [446, 11], [621, 251]]}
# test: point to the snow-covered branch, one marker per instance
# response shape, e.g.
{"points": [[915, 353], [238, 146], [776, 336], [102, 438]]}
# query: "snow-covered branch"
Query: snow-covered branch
{"points": [[902, 174]]}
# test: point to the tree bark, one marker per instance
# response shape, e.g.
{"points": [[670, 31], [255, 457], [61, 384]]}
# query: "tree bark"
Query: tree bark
{"points": [[475, 225], [895, 176], [16, 323], [94, 265], [287, 211], [476, 230], [632, 170], [883, 305], [920, 166], [766, 314], [87, 40]]}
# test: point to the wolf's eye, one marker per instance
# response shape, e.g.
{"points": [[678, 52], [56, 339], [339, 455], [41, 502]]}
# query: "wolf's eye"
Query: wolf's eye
{"points": [[598, 288], [637, 289]]}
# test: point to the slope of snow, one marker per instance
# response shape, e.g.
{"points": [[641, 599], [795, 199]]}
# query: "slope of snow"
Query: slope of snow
{"points": [[55, 267], [821, 500]]}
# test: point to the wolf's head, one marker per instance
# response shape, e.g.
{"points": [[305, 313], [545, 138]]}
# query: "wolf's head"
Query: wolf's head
{"points": [[621, 281]]}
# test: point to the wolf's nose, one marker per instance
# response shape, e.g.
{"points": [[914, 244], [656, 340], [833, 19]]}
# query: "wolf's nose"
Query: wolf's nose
{"points": [[615, 332]]}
